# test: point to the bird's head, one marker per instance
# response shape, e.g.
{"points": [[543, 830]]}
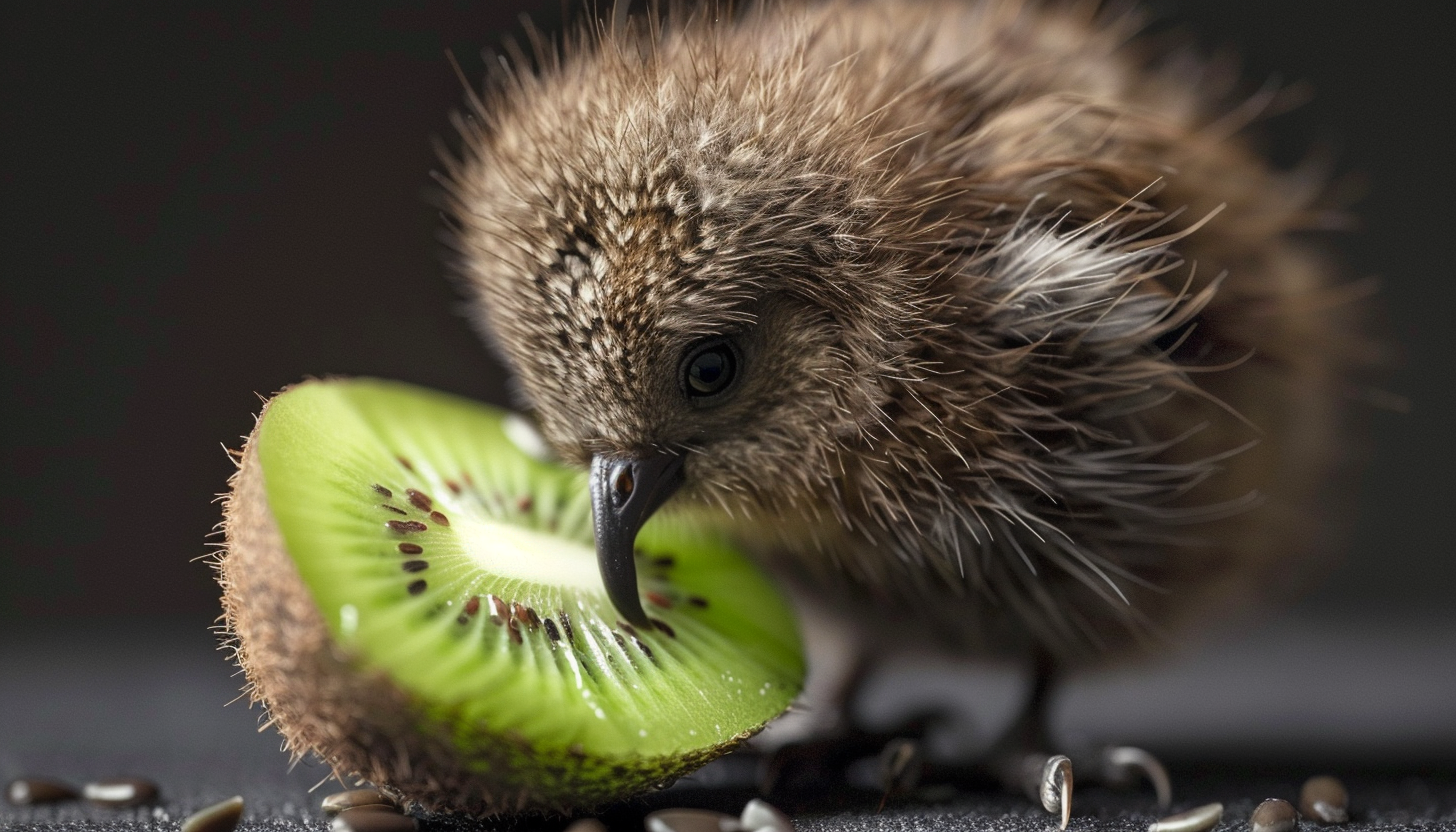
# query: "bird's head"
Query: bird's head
{"points": [[695, 295]]}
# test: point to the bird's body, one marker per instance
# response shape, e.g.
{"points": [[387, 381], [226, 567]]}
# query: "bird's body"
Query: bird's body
{"points": [[1022, 348]]}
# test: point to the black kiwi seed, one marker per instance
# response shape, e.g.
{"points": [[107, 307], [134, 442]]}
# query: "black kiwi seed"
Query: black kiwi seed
{"points": [[124, 791], [664, 627], [627, 628], [419, 499], [406, 464], [31, 790], [393, 509], [415, 565], [524, 504], [515, 630], [621, 642], [219, 817], [411, 548], [381, 490], [472, 606], [657, 599], [698, 601], [406, 526], [499, 612], [664, 561], [416, 587], [439, 518], [518, 612], [551, 631], [338, 802], [646, 651], [566, 626], [453, 486]]}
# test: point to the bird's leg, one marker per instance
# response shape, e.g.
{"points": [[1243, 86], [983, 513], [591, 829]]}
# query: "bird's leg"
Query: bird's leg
{"points": [[1022, 762]]}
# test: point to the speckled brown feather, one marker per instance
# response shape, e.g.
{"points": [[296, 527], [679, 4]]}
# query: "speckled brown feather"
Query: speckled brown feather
{"points": [[1033, 352]]}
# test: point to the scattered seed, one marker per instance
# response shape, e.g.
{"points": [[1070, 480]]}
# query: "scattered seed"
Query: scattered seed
{"points": [[1324, 799], [621, 642], [419, 499], [698, 601], [453, 486], [472, 606], [659, 600], [373, 819], [627, 628], [663, 626], [586, 825], [499, 612], [439, 518], [551, 631], [415, 565], [760, 816], [416, 587], [1200, 819], [32, 790], [406, 526], [411, 548], [690, 820], [524, 504], [664, 561], [338, 802], [124, 791], [393, 509], [408, 466], [1274, 816], [566, 627], [515, 630], [382, 491], [219, 817]]}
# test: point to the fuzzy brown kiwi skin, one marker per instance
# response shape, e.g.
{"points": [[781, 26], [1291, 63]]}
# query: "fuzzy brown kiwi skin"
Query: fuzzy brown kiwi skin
{"points": [[363, 725]]}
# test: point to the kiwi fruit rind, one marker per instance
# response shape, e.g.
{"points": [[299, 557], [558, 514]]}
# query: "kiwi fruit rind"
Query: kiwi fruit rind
{"points": [[416, 600]]}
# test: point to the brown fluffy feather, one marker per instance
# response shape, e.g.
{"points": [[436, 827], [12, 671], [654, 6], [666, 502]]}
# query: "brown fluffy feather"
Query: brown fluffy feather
{"points": [[1034, 354]]}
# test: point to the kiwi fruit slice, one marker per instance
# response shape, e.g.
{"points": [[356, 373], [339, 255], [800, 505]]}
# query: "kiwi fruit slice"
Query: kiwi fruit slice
{"points": [[416, 600]]}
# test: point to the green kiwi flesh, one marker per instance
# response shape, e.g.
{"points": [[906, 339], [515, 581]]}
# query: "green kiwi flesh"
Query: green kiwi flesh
{"points": [[416, 600]]}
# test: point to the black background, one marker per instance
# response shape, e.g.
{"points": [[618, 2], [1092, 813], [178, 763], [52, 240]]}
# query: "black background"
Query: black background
{"points": [[203, 203]]}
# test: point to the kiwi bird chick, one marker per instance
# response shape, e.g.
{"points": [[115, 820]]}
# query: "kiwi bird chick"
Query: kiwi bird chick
{"points": [[980, 319]]}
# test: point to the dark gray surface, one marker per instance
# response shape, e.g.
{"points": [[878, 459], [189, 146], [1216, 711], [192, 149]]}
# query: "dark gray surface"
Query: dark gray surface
{"points": [[1240, 719]]}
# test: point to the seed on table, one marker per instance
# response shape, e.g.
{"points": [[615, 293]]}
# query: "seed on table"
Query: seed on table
{"points": [[1274, 816], [1200, 819], [760, 816], [900, 767], [121, 792], [1325, 800], [31, 790], [690, 820], [586, 825], [338, 802], [374, 818], [219, 817]]}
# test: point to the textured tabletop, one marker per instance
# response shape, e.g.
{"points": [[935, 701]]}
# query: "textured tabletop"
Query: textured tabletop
{"points": [[1239, 721]]}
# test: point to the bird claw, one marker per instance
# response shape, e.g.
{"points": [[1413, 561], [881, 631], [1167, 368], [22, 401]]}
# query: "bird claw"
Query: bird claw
{"points": [[1122, 765], [901, 765]]}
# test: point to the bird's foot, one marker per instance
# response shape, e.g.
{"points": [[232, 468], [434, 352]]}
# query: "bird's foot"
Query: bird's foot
{"points": [[1048, 778], [809, 763]]}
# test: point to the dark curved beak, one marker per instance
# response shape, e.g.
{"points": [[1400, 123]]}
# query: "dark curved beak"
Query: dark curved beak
{"points": [[626, 490]]}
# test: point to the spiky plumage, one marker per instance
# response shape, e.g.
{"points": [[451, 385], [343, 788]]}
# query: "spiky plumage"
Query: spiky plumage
{"points": [[1032, 352]]}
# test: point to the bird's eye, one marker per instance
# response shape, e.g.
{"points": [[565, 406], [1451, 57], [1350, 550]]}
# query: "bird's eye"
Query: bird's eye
{"points": [[709, 368]]}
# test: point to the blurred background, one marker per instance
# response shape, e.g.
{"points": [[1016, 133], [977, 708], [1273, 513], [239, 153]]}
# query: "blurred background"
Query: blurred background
{"points": [[204, 203]]}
